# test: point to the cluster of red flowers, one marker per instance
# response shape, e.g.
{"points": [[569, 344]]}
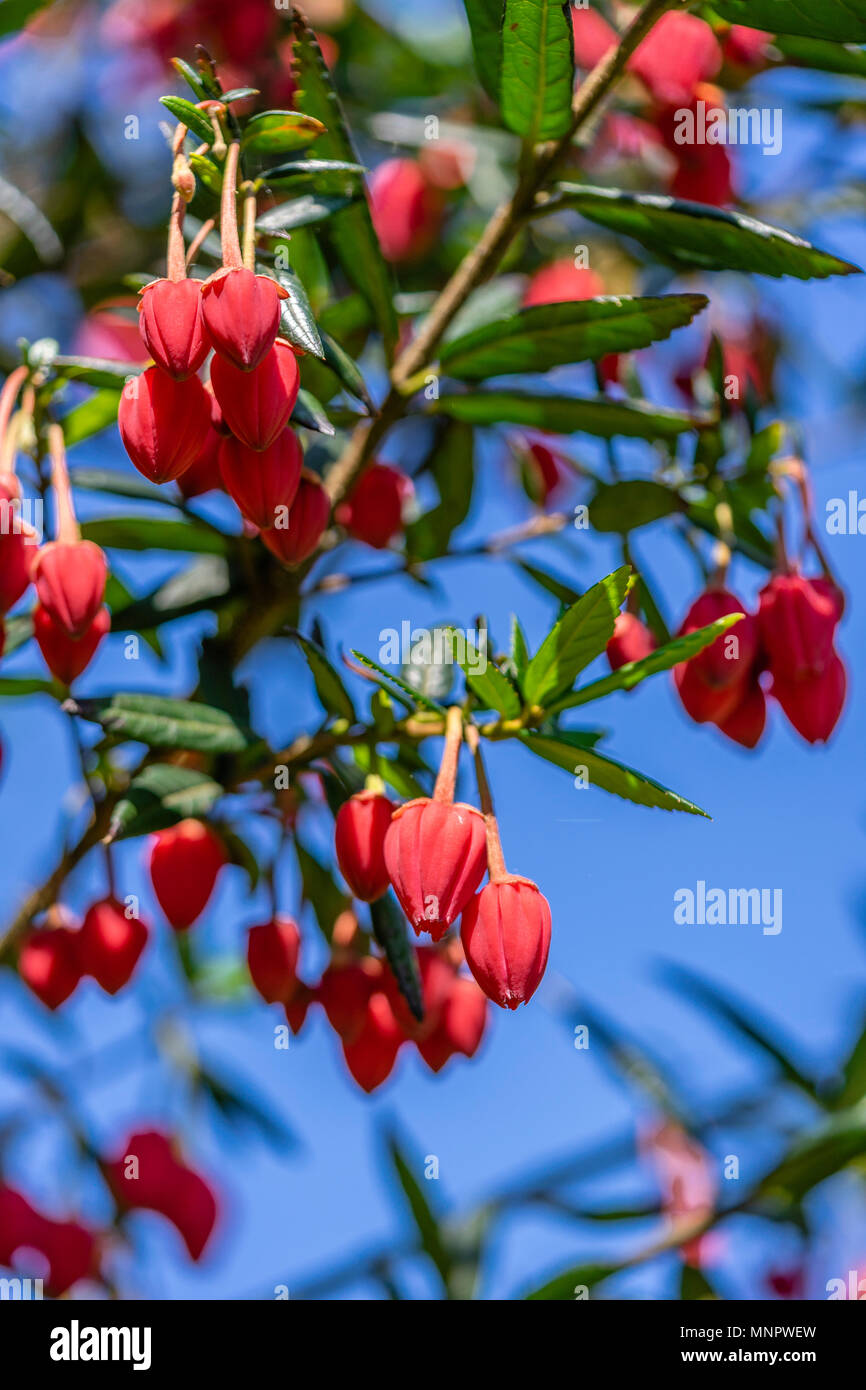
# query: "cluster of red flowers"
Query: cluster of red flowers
{"points": [[791, 637], [149, 1175]]}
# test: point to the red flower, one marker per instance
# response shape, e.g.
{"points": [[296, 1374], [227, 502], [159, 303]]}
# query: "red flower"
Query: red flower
{"points": [[732, 656], [745, 723], [171, 325], [506, 937], [295, 543], [814, 704], [560, 281], [436, 857], [406, 209], [70, 583], [460, 1026], [262, 483], [272, 956], [373, 511], [371, 1054], [110, 944], [344, 992], [48, 963], [241, 313], [361, 826], [256, 404], [797, 619], [631, 641], [162, 423], [184, 863], [66, 657]]}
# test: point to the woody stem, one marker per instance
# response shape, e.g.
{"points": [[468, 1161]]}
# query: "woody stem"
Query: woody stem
{"points": [[231, 245], [495, 857], [446, 781], [67, 526]]}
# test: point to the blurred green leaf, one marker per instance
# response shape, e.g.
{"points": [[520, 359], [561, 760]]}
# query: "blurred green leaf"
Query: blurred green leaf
{"points": [[821, 55], [633, 502], [416, 697], [311, 414], [165, 723], [537, 76], [842, 21], [486, 18], [425, 1219], [279, 132], [564, 1288], [142, 533], [97, 371], [816, 1157], [89, 418], [451, 465], [391, 931], [330, 689], [161, 795], [320, 890], [14, 14], [567, 414], [305, 211]]}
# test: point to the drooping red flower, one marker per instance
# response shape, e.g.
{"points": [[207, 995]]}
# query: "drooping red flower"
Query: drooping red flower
{"points": [[204, 474], [436, 858], [262, 483], [185, 861], [162, 423], [703, 172], [344, 992], [437, 977], [631, 641], [308, 519], [256, 404], [797, 619], [359, 839], [49, 963], [110, 944], [680, 52], [814, 703], [241, 315], [731, 656], [150, 1175], [172, 327], [373, 510], [506, 937], [71, 1251], [561, 281], [371, 1054], [70, 582], [406, 209], [746, 722], [272, 956], [66, 657]]}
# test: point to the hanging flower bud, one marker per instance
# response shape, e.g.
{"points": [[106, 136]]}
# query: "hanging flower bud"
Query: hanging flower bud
{"points": [[256, 405], [17, 554], [48, 963], [191, 1206], [184, 863], [69, 573], [262, 483], [745, 724], [298, 1007], [204, 474], [506, 936], [344, 992], [460, 1027], [734, 653], [814, 704], [110, 944], [437, 976], [272, 956], [66, 657], [406, 209], [562, 281], [371, 1054], [141, 1176], [706, 704], [172, 327], [241, 309], [308, 520], [361, 825], [631, 641], [71, 1251], [162, 423], [373, 511], [798, 623], [435, 850]]}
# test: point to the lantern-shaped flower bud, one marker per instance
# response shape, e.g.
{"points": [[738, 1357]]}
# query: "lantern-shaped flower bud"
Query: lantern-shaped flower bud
{"points": [[71, 1251], [204, 474], [191, 1205], [460, 1027], [295, 542], [731, 656], [66, 657], [69, 573], [745, 724], [814, 704], [631, 641], [272, 956], [184, 863], [263, 483], [162, 423], [373, 511], [172, 327], [406, 209], [706, 704], [344, 991], [506, 936], [110, 944], [141, 1176], [359, 838], [17, 553], [437, 975], [49, 963], [371, 1054], [435, 849], [256, 405], [798, 623]]}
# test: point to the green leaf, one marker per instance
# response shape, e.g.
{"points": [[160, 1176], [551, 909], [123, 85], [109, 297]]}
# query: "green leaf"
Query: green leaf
{"points": [[537, 78], [549, 583], [694, 1285], [519, 649], [562, 1287], [398, 777], [165, 723], [853, 1087], [416, 697], [320, 890], [351, 231], [297, 323], [97, 371], [391, 932], [305, 211], [485, 24], [452, 465], [161, 795], [346, 370], [140, 533], [817, 1157], [189, 115], [330, 689], [89, 418], [279, 132], [623, 506], [551, 335], [189, 76], [842, 21], [310, 413], [581, 634], [493, 689], [207, 171], [825, 57], [567, 414], [432, 1241], [662, 659], [120, 484], [14, 14], [317, 176], [13, 687], [609, 775], [695, 235], [240, 853]]}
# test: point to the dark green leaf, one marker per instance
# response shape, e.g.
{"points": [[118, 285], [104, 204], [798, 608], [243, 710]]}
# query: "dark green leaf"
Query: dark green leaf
{"points": [[694, 1285], [564, 1287], [13, 687], [842, 21], [422, 1213], [623, 506], [549, 582], [493, 689], [165, 723], [398, 777], [305, 211], [817, 1157], [485, 22], [97, 371], [14, 14], [120, 484], [142, 533], [853, 1087], [90, 417], [161, 795], [391, 932], [189, 76], [609, 775], [189, 115], [537, 77], [551, 335], [519, 649], [581, 634], [279, 132], [330, 689], [345, 369], [297, 323], [451, 464], [702, 237], [240, 853], [824, 56], [310, 413], [567, 414], [317, 176]]}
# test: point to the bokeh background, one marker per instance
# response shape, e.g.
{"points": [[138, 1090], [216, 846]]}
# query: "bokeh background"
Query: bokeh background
{"points": [[313, 1192]]}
